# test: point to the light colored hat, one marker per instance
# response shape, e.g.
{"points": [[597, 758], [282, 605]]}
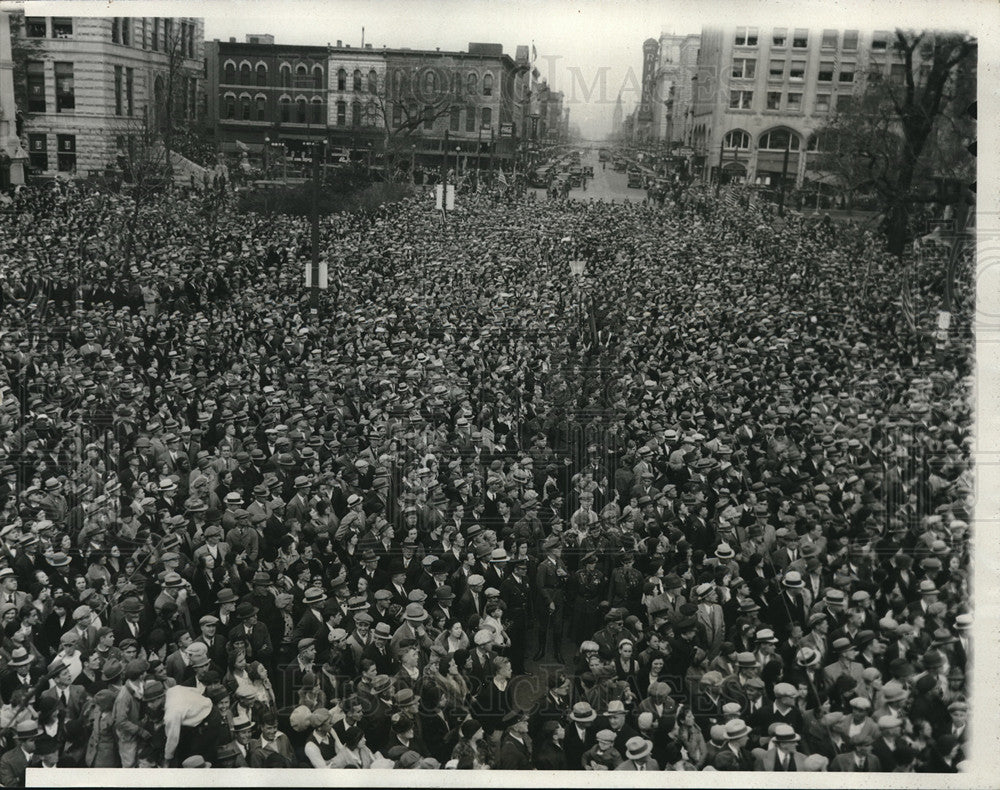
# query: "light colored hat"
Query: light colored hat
{"points": [[483, 637], [737, 728], [638, 748], [785, 690], [582, 712]]}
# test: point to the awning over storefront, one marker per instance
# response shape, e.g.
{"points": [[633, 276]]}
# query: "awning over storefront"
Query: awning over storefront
{"points": [[824, 177]]}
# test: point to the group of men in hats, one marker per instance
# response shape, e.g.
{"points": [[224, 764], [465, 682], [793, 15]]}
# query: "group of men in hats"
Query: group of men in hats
{"points": [[731, 534]]}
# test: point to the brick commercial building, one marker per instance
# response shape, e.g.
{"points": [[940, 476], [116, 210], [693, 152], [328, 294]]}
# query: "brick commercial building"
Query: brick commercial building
{"points": [[424, 106]]}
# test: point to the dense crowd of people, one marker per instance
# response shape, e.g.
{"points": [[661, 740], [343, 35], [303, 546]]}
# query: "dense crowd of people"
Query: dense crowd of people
{"points": [[701, 507]]}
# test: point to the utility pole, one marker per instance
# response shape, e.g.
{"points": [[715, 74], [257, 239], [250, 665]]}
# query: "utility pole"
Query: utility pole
{"points": [[315, 226], [444, 178]]}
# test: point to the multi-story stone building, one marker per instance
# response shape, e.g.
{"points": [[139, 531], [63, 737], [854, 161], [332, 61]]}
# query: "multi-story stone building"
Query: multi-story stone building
{"points": [[673, 88], [12, 154], [94, 82], [761, 93]]}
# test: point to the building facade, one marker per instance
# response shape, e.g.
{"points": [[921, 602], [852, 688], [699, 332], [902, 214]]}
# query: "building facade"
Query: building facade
{"points": [[258, 91], [367, 100], [617, 118], [644, 130], [761, 93], [13, 157], [674, 88], [95, 82]]}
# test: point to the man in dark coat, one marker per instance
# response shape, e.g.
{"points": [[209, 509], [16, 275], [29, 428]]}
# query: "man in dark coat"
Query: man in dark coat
{"points": [[515, 752]]}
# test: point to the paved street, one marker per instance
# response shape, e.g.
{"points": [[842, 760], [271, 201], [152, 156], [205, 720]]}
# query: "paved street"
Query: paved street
{"points": [[605, 185]]}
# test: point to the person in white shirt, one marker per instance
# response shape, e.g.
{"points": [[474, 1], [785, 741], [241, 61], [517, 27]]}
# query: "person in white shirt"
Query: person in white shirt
{"points": [[185, 706]]}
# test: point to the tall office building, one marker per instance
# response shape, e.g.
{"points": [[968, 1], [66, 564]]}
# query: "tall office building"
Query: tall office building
{"points": [[761, 93]]}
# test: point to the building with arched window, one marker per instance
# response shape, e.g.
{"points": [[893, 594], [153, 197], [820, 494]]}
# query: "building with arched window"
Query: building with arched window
{"points": [[91, 80], [777, 85], [347, 95], [287, 103]]}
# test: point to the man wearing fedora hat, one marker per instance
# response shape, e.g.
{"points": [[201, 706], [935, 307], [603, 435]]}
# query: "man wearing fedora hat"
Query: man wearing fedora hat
{"points": [[14, 761], [254, 632], [20, 673], [637, 756], [580, 732], [412, 629], [312, 622], [846, 651], [789, 607], [737, 736], [782, 753]]}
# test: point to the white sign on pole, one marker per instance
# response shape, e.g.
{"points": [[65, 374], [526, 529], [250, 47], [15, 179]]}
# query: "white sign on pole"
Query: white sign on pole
{"points": [[449, 199], [324, 276], [944, 319]]}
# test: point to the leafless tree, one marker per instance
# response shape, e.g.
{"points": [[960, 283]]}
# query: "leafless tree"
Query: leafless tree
{"points": [[902, 131]]}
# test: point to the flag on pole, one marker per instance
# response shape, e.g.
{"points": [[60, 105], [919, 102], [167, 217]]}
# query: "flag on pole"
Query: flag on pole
{"points": [[503, 177], [534, 52]]}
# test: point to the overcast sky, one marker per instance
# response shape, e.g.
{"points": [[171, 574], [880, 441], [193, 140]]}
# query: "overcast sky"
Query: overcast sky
{"points": [[587, 49]]}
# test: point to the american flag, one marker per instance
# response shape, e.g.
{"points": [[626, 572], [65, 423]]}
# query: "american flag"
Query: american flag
{"points": [[503, 178]]}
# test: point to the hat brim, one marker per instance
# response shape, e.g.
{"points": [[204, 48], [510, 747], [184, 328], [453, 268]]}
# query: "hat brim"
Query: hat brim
{"points": [[640, 755]]}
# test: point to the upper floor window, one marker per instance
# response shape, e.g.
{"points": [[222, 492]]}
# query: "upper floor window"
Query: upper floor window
{"points": [[230, 74], [744, 68], [34, 27], [488, 85], [261, 75], [341, 80], [357, 81], [65, 91], [62, 26], [746, 37]]}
